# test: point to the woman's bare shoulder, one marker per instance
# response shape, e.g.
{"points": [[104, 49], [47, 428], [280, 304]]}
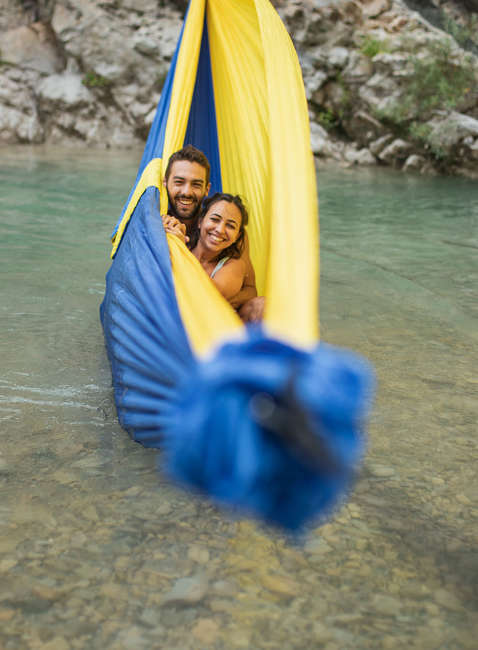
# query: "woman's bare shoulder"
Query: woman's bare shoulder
{"points": [[235, 265]]}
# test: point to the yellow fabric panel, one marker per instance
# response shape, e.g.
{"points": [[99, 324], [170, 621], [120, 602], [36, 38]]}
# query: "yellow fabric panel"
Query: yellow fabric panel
{"points": [[150, 177], [242, 114], [293, 266], [183, 87], [264, 144], [209, 320]]}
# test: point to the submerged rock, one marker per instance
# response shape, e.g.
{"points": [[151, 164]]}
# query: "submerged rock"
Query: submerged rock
{"points": [[186, 591]]}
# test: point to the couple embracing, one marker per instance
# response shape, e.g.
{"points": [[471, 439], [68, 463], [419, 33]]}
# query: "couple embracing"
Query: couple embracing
{"points": [[213, 229]]}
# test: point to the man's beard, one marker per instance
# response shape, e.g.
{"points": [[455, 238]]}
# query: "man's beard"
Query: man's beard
{"points": [[188, 221]]}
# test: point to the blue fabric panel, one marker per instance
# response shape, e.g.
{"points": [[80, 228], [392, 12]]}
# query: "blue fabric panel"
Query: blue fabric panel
{"points": [[145, 338], [272, 431], [202, 127]]}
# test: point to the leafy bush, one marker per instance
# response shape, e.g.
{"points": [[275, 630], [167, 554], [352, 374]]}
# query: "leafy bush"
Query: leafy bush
{"points": [[437, 82], [464, 35], [422, 133]]}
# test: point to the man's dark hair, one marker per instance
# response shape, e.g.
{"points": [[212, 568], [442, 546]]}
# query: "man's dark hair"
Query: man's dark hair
{"points": [[235, 249], [191, 154]]}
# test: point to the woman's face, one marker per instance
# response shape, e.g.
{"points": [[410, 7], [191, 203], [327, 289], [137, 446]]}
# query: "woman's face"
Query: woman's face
{"points": [[220, 226]]}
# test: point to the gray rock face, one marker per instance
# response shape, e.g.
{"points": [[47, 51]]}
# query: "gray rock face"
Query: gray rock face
{"points": [[62, 91], [414, 163], [16, 126], [454, 136], [379, 145], [322, 145], [92, 71], [396, 150], [450, 130], [360, 157], [31, 47]]}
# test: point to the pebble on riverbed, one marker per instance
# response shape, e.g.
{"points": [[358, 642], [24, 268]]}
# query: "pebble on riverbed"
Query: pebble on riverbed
{"points": [[187, 591]]}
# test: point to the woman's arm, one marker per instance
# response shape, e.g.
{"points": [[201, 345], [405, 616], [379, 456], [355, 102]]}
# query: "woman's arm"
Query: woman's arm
{"points": [[249, 284], [230, 278], [244, 295]]}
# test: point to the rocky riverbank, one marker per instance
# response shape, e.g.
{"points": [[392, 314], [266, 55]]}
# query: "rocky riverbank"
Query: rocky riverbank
{"points": [[388, 82]]}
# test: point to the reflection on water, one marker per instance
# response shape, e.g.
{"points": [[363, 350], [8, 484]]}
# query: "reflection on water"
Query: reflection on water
{"points": [[98, 550]]}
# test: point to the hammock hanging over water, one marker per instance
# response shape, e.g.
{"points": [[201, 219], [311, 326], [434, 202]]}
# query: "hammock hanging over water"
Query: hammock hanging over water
{"points": [[262, 418]]}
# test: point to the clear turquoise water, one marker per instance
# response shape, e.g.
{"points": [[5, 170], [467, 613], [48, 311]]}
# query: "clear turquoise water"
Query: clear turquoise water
{"points": [[93, 539]]}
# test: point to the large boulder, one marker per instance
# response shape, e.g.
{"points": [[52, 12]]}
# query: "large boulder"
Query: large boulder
{"points": [[396, 152], [17, 126], [32, 47], [361, 157], [322, 144], [63, 91], [100, 42], [379, 94], [453, 136], [373, 8], [363, 127], [19, 118]]}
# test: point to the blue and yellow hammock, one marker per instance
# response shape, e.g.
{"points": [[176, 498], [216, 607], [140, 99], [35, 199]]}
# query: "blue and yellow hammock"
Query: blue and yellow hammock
{"points": [[260, 418]]}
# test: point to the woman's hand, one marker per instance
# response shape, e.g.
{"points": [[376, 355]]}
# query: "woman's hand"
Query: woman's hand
{"points": [[252, 311]]}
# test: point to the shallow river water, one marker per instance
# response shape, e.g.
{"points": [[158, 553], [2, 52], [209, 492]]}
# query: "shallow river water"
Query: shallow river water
{"points": [[98, 550]]}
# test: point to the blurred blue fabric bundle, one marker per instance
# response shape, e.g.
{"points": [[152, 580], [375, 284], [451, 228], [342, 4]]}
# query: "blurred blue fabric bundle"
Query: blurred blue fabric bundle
{"points": [[274, 431]]}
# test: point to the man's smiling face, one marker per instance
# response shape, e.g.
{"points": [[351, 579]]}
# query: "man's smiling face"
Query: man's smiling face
{"points": [[186, 187]]}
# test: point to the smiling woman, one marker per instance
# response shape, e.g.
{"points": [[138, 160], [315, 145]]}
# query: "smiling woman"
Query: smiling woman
{"points": [[219, 241]]}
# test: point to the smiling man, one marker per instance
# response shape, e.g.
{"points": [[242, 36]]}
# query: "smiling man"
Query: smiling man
{"points": [[187, 183], [186, 180]]}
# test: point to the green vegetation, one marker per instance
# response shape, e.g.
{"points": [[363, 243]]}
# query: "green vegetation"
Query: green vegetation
{"points": [[422, 133], [464, 35], [93, 80], [327, 119], [372, 46], [346, 99], [436, 82], [331, 117]]}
